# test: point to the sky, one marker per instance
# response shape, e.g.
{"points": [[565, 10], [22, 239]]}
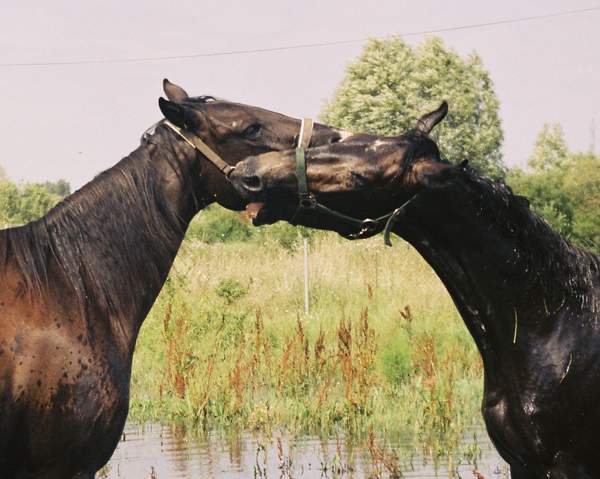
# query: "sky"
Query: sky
{"points": [[72, 121]]}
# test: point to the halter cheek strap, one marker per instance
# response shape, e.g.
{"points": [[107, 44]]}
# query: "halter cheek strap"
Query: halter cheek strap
{"points": [[306, 201], [306, 130], [196, 143]]}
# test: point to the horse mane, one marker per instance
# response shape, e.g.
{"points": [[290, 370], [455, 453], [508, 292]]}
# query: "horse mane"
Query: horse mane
{"points": [[559, 265], [115, 235]]}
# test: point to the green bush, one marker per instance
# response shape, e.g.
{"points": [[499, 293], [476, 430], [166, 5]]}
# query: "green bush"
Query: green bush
{"points": [[395, 358], [218, 225], [24, 203], [563, 187], [287, 236], [230, 290]]}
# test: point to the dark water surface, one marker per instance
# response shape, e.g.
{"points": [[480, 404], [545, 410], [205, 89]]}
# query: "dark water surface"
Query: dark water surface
{"points": [[163, 452]]}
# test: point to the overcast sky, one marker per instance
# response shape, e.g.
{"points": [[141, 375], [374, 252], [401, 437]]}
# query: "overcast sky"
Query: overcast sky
{"points": [[72, 121]]}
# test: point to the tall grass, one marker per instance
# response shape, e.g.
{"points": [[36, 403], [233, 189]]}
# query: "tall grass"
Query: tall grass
{"points": [[383, 348]]}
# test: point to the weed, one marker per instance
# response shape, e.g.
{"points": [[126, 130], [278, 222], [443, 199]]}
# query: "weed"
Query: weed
{"points": [[227, 344]]}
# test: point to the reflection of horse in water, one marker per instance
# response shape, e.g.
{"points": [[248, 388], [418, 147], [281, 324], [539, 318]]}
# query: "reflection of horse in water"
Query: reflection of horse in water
{"points": [[78, 283], [530, 299]]}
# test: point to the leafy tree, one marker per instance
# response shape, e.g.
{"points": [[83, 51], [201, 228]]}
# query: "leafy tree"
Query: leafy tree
{"points": [[21, 204], [3, 176], [60, 187], [550, 149], [547, 196], [9, 202], [390, 85], [563, 187], [35, 202], [582, 187]]}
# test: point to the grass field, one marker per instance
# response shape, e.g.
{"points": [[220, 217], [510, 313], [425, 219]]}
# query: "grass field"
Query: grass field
{"points": [[383, 348]]}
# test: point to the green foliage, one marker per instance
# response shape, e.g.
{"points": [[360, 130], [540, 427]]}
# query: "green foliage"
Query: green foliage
{"points": [[550, 149], [60, 187], [284, 234], [362, 358], [395, 359], [582, 185], [563, 187], [548, 198], [230, 290], [35, 201], [391, 85], [218, 225], [9, 202], [23, 203]]}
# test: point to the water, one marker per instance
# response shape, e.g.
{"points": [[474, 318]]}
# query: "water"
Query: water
{"points": [[154, 451]]}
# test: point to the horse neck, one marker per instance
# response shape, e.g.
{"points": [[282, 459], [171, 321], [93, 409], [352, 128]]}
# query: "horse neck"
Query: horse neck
{"points": [[505, 268], [116, 238]]}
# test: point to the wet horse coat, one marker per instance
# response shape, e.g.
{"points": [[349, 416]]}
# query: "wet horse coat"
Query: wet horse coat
{"points": [[530, 299], [78, 283]]}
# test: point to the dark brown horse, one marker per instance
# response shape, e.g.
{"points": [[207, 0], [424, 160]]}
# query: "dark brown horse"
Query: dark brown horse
{"points": [[78, 283], [530, 299]]}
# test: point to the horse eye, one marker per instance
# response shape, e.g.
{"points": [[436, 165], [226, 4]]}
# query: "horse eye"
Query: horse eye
{"points": [[252, 131]]}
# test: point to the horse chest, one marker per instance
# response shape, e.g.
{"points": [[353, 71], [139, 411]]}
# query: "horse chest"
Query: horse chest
{"points": [[60, 388], [522, 429]]}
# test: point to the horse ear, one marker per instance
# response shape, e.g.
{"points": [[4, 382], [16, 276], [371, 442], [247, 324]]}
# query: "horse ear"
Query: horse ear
{"points": [[427, 122], [174, 92], [177, 114]]}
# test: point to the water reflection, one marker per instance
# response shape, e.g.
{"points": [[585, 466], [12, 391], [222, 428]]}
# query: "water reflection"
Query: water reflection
{"points": [[154, 451]]}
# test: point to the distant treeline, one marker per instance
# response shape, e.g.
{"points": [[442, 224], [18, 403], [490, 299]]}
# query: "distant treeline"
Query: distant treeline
{"points": [[22, 203], [563, 187], [383, 92]]}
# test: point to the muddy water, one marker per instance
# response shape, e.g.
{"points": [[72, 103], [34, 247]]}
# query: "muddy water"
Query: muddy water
{"points": [[152, 451]]}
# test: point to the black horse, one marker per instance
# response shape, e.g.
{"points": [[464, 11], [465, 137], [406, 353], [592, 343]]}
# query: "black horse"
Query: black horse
{"points": [[530, 299], [78, 283]]}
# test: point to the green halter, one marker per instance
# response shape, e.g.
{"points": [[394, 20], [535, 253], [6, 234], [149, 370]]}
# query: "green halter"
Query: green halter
{"points": [[307, 201]]}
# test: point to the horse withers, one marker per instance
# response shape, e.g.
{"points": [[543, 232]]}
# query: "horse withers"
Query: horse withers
{"points": [[529, 298]]}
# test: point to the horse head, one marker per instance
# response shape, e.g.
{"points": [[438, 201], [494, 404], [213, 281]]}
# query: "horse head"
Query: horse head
{"points": [[233, 131], [363, 177]]}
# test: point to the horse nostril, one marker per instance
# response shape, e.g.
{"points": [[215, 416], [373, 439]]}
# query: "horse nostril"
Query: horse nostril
{"points": [[252, 182]]}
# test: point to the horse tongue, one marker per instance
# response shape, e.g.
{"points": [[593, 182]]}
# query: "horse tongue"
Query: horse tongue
{"points": [[252, 209]]}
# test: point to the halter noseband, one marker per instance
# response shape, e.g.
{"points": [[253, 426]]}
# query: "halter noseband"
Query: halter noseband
{"points": [[307, 201]]}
